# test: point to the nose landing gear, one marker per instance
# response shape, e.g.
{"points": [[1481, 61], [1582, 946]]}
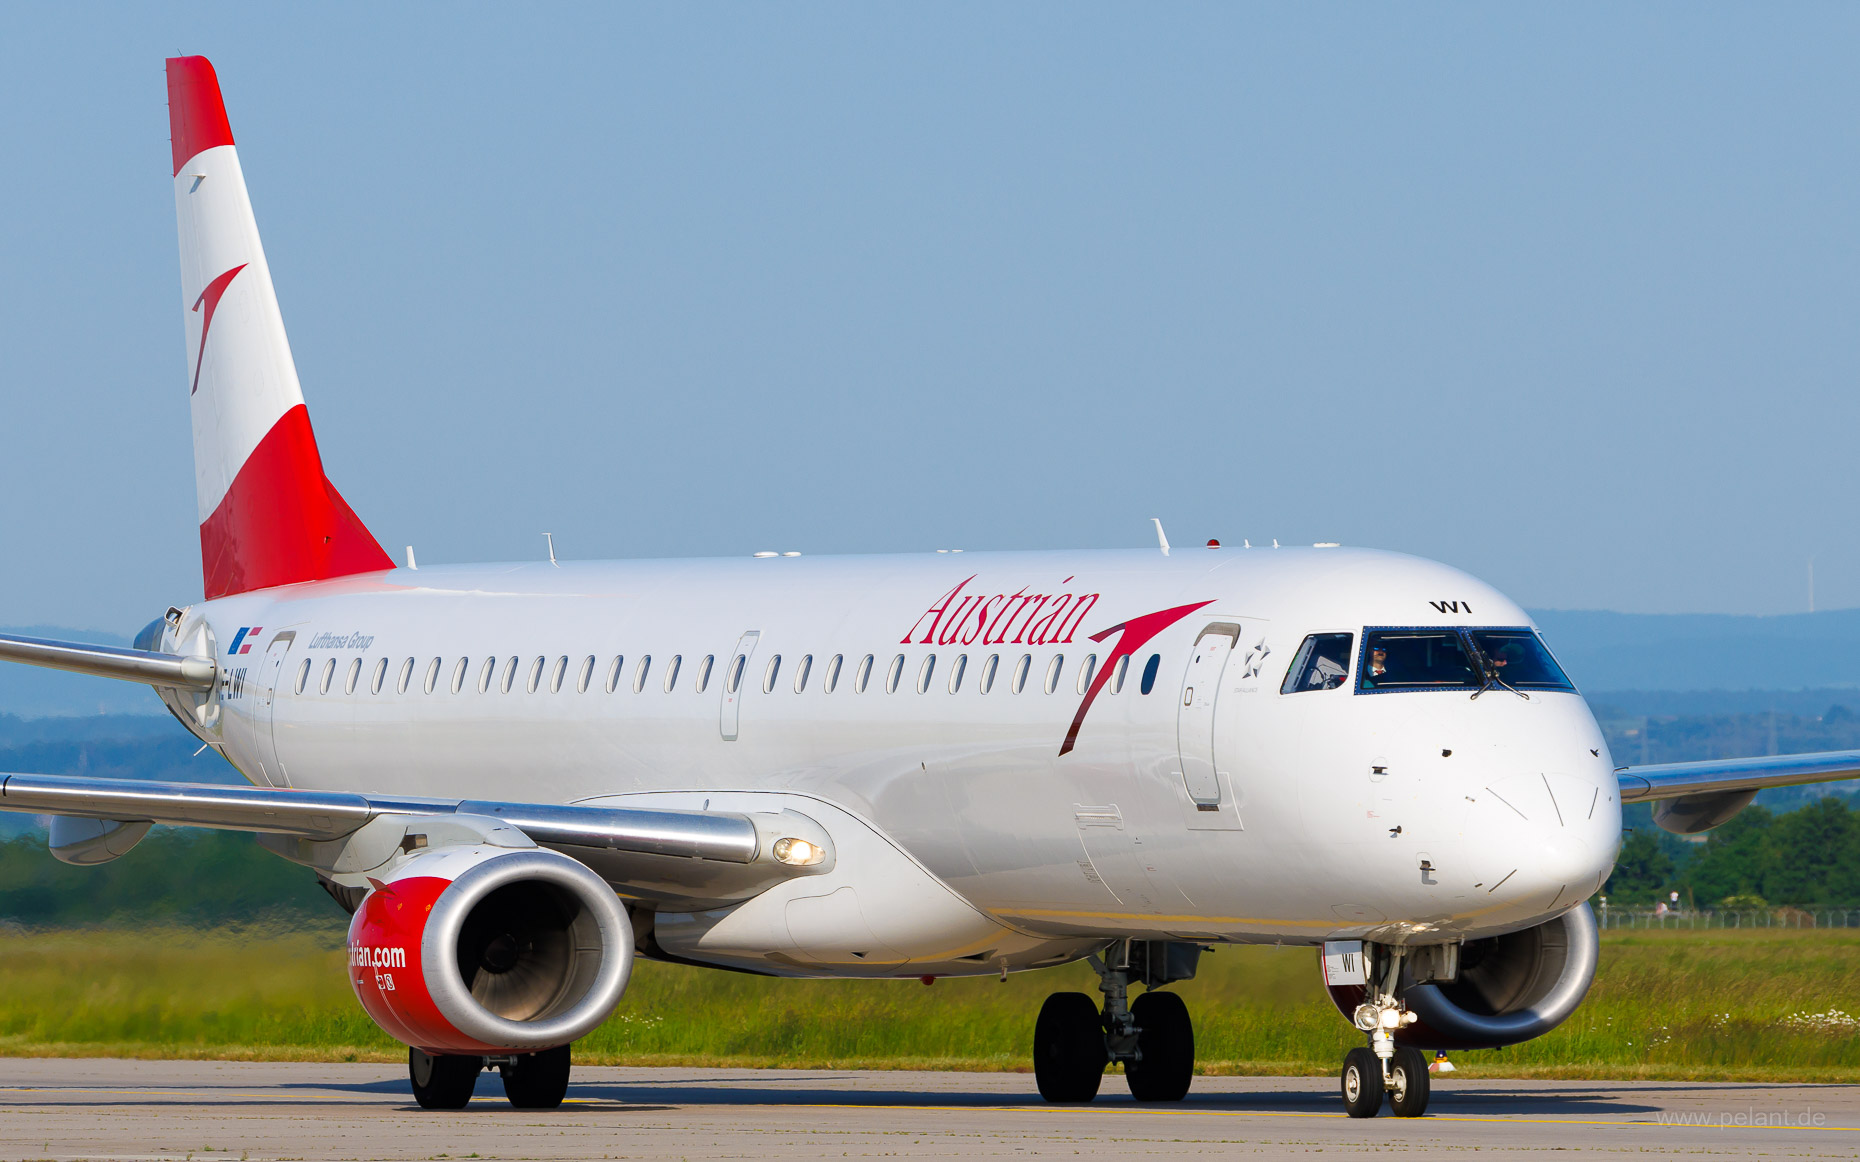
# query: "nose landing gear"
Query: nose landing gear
{"points": [[1073, 1040], [1385, 1067]]}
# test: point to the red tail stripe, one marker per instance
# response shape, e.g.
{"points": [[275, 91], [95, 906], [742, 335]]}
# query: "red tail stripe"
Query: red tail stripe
{"points": [[196, 114], [282, 521]]}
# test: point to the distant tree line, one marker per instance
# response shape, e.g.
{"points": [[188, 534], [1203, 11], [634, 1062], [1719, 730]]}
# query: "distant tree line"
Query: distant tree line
{"points": [[1807, 858], [175, 876]]}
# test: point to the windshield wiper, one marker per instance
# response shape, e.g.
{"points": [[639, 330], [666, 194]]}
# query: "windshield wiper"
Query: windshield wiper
{"points": [[1490, 671]]}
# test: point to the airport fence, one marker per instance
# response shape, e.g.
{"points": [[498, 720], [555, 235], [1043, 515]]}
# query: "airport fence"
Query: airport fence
{"points": [[1685, 918]]}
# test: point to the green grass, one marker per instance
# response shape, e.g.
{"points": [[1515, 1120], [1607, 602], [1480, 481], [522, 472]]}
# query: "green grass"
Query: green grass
{"points": [[1695, 1005]]}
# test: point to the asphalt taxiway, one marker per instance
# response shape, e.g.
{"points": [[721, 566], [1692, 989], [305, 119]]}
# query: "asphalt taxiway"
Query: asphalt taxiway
{"points": [[90, 1108]]}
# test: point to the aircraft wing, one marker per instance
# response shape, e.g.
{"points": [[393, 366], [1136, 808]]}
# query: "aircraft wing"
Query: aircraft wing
{"points": [[667, 855], [1695, 797]]}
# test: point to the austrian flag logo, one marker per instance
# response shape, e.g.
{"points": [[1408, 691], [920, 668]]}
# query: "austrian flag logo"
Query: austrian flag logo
{"points": [[242, 641]]}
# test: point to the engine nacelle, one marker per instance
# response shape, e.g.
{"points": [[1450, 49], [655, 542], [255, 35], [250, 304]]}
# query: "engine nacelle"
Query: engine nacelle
{"points": [[480, 949], [1508, 989]]}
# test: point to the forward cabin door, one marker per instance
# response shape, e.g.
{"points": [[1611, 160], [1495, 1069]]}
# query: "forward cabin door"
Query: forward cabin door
{"points": [[1195, 718], [265, 691], [736, 682]]}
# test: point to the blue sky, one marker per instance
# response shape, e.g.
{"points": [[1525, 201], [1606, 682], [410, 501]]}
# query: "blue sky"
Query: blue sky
{"points": [[1565, 297]]}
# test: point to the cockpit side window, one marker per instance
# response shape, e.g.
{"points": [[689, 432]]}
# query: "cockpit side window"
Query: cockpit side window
{"points": [[1322, 663]]}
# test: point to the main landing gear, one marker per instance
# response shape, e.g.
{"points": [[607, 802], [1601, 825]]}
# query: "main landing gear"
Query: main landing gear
{"points": [[532, 1081], [1073, 1039], [1385, 1068]]}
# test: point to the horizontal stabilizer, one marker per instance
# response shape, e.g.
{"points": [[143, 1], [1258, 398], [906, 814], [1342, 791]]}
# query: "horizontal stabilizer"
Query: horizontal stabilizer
{"points": [[172, 670]]}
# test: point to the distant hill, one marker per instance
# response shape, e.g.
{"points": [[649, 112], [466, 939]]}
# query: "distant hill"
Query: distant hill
{"points": [[32, 692], [1705, 652]]}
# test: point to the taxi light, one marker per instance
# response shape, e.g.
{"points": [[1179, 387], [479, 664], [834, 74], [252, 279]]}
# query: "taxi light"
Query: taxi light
{"points": [[798, 852]]}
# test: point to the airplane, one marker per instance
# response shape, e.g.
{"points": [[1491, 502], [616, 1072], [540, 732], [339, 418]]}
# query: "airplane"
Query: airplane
{"points": [[519, 777]]}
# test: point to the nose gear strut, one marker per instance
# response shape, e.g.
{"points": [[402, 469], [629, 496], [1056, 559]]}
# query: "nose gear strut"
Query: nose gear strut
{"points": [[1384, 1067]]}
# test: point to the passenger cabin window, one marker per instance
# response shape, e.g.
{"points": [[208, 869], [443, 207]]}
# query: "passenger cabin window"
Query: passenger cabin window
{"points": [[558, 674], [1088, 669], [458, 674], [486, 674], [671, 671], [988, 672], [1021, 669], [703, 674], [769, 673], [924, 672], [303, 674], [956, 671], [1052, 672], [1321, 663], [380, 679], [329, 671], [354, 675], [432, 675], [1149, 673], [536, 673], [640, 671], [586, 676], [864, 677], [802, 671], [831, 680], [1118, 675], [406, 677], [510, 675], [613, 672], [1447, 659], [894, 674]]}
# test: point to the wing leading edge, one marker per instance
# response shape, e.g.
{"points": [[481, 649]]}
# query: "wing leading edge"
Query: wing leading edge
{"points": [[1695, 797], [650, 852]]}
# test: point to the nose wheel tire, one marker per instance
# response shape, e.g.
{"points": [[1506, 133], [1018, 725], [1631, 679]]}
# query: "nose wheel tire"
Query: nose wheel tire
{"points": [[441, 1081], [1068, 1048], [537, 1081], [1409, 1084], [1362, 1084], [1165, 1048]]}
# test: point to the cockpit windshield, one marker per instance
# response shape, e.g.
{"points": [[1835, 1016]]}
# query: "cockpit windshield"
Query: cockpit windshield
{"points": [[1448, 659]]}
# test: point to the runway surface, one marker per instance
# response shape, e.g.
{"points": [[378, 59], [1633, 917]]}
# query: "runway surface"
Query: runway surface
{"points": [[186, 1109]]}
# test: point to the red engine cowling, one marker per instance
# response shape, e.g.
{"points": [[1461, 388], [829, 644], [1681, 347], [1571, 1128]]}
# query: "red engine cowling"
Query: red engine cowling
{"points": [[488, 950]]}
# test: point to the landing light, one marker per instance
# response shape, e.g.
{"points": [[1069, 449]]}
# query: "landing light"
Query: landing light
{"points": [[798, 852]]}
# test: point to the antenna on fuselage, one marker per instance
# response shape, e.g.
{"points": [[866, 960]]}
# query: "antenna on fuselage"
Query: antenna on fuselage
{"points": [[411, 564], [1162, 539], [550, 537]]}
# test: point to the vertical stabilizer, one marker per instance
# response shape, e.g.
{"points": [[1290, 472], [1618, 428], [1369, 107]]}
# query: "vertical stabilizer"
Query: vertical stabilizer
{"points": [[268, 515]]}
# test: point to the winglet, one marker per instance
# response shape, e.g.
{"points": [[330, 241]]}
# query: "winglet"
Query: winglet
{"points": [[196, 113]]}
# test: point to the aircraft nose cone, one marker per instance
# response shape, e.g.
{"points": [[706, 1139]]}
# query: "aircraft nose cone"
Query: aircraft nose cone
{"points": [[1547, 835]]}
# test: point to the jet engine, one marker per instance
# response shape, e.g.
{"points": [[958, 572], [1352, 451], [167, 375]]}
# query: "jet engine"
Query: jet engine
{"points": [[1504, 989], [484, 950]]}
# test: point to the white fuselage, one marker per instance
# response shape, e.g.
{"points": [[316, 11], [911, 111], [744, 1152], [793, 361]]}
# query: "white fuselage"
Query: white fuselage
{"points": [[968, 841]]}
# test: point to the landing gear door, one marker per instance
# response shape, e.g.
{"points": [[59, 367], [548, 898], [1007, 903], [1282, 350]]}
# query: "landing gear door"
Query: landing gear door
{"points": [[1201, 687], [735, 681]]}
